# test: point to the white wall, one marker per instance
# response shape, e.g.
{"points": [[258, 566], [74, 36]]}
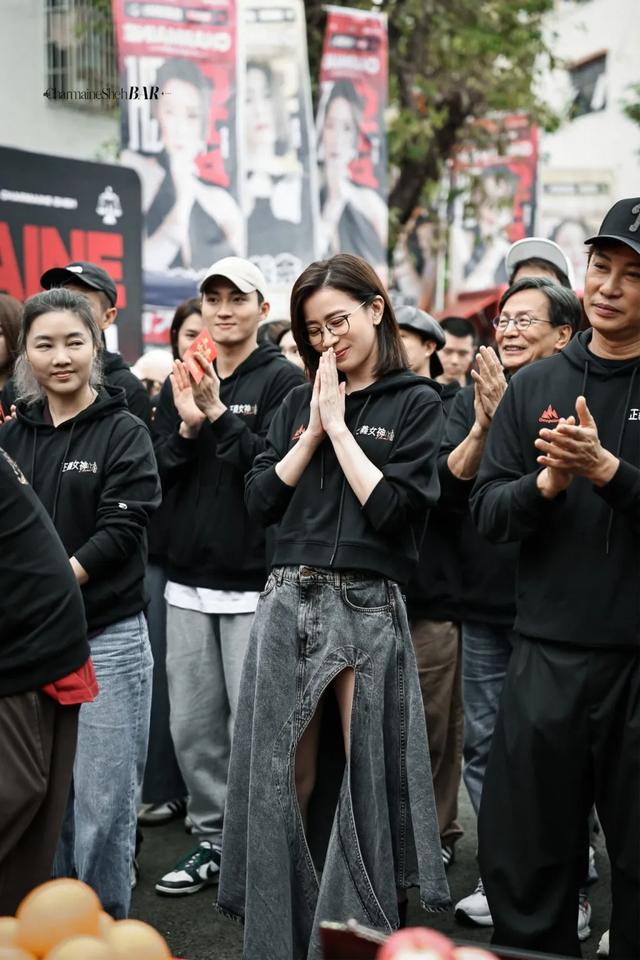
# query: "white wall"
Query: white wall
{"points": [[27, 119], [593, 160]]}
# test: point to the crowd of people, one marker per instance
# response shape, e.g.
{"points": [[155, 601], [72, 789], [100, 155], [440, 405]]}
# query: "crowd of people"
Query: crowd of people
{"points": [[298, 599]]}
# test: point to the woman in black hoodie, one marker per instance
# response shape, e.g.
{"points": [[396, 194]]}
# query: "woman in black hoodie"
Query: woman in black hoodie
{"points": [[92, 465], [348, 476]]}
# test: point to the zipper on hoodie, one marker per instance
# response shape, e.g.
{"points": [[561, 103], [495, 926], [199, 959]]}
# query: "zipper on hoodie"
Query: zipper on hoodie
{"points": [[344, 487]]}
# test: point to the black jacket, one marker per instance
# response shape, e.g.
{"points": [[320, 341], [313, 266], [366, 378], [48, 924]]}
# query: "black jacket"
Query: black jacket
{"points": [[97, 478], [487, 570], [118, 374], [579, 563], [433, 591], [397, 422], [43, 632], [212, 541]]}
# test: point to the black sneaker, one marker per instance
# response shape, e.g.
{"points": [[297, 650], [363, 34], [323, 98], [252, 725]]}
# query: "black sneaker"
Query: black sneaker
{"points": [[153, 814], [194, 872], [448, 854]]}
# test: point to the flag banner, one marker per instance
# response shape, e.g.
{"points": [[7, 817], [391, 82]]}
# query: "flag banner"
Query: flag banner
{"points": [[352, 147], [179, 130], [415, 262], [494, 204], [280, 170], [54, 210], [571, 205]]}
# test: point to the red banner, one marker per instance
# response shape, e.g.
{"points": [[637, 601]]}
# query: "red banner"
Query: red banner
{"points": [[178, 63], [495, 203], [351, 138]]}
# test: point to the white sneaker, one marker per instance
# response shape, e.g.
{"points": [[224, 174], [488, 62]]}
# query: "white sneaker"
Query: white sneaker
{"points": [[584, 917], [474, 909], [603, 946]]}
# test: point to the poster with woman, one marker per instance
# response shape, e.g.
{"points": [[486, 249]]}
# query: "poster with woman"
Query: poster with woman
{"points": [[178, 65], [352, 149], [494, 203], [280, 192]]}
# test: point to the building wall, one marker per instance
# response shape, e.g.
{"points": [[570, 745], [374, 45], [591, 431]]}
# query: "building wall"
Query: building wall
{"points": [[594, 159], [27, 119]]}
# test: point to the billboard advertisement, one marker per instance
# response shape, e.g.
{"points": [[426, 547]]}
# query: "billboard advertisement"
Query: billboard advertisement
{"points": [[352, 148], [54, 210]]}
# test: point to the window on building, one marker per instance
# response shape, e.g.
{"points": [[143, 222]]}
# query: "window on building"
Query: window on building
{"points": [[80, 52], [589, 82]]}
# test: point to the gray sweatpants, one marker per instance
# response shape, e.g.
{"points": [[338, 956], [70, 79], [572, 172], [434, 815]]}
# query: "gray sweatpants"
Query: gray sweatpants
{"points": [[205, 652]]}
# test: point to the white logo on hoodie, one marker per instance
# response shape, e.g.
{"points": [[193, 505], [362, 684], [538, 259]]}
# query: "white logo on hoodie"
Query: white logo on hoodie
{"points": [[82, 466]]}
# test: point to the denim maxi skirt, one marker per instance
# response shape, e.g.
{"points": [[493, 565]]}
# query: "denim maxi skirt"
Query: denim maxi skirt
{"points": [[310, 625]]}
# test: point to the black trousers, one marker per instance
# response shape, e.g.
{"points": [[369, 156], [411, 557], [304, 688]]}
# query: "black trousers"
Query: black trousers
{"points": [[567, 735], [37, 750]]}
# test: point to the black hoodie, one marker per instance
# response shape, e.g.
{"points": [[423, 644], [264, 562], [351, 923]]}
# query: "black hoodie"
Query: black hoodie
{"points": [[487, 571], [97, 478], [397, 421], [43, 632], [433, 592], [118, 374], [579, 562], [212, 541]]}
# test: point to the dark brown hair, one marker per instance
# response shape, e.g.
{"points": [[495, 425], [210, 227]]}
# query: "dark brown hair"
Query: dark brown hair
{"points": [[183, 311], [356, 277], [10, 319]]}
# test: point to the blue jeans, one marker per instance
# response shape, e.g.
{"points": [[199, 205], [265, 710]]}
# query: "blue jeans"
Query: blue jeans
{"points": [[486, 651], [98, 836]]}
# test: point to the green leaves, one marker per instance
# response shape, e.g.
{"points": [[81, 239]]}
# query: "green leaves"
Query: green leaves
{"points": [[450, 62]]}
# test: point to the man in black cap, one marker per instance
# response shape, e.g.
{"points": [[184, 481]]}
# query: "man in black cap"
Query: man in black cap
{"points": [[561, 476], [432, 603], [96, 285]]}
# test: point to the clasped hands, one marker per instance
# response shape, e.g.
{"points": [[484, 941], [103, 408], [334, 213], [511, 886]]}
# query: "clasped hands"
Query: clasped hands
{"points": [[489, 386], [196, 402], [573, 449], [327, 400]]}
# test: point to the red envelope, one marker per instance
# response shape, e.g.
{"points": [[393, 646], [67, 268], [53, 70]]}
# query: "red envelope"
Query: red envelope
{"points": [[202, 344]]}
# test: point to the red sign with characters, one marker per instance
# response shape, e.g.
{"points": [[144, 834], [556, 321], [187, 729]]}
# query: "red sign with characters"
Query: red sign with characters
{"points": [[352, 147]]}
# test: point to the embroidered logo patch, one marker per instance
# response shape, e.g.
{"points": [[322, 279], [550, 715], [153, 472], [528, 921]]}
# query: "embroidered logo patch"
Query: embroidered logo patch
{"points": [[549, 416], [378, 433], [82, 466], [244, 409]]}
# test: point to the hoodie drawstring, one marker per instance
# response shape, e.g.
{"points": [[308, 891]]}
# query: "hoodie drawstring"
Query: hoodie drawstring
{"points": [[344, 487], [220, 464], [62, 463], [32, 479], [619, 448]]}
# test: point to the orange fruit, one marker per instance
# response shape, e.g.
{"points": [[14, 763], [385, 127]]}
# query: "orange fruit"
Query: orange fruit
{"points": [[81, 948], [54, 911], [133, 938], [105, 921], [15, 953], [8, 928]]}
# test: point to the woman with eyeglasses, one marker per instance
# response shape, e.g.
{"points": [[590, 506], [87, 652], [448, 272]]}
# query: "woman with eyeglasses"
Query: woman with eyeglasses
{"points": [[313, 832]]}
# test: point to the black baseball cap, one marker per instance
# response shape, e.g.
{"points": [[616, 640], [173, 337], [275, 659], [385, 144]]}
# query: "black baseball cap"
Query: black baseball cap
{"points": [[411, 318], [83, 273], [622, 224]]}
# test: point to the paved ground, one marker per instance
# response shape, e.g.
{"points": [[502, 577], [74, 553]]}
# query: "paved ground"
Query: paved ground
{"points": [[195, 931]]}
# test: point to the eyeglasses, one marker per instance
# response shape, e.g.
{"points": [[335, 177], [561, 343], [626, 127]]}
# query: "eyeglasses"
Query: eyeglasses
{"points": [[336, 327], [521, 322]]}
